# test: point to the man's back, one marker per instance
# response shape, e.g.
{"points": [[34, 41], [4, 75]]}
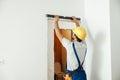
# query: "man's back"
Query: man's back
{"points": [[81, 47]]}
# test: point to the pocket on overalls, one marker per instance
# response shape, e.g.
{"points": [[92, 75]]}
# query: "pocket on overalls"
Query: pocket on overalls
{"points": [[79, 75]]}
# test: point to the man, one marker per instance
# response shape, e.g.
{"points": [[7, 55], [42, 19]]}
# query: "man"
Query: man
{"points": [[76, 49]]}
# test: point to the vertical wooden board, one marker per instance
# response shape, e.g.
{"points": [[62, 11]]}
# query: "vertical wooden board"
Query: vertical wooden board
{"points": [[57, 49]]}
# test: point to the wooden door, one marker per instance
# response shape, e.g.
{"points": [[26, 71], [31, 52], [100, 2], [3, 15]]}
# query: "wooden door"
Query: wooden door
{"points": [[59, 50]]}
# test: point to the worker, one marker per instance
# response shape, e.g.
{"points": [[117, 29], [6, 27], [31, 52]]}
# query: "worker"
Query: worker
{"points": [[76, 49]]}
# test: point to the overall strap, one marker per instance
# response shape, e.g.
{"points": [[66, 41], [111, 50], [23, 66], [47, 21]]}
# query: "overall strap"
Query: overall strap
{"points": [[73, 45], [80, 65]]}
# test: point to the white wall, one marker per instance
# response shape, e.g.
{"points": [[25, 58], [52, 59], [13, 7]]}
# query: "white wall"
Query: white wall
{"points": [[21, 41], [115, 39], [23, 35], [98, 24]]}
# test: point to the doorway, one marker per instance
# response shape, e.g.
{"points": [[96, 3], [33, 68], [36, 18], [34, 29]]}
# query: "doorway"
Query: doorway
{"points": [[54, 46]]}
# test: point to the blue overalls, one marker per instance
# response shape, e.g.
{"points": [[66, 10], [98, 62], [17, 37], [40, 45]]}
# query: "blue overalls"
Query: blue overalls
{"points": [[78, 74]]}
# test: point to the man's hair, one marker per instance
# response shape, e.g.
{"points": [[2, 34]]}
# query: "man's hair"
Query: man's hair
{"points": [[79, 40]]}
